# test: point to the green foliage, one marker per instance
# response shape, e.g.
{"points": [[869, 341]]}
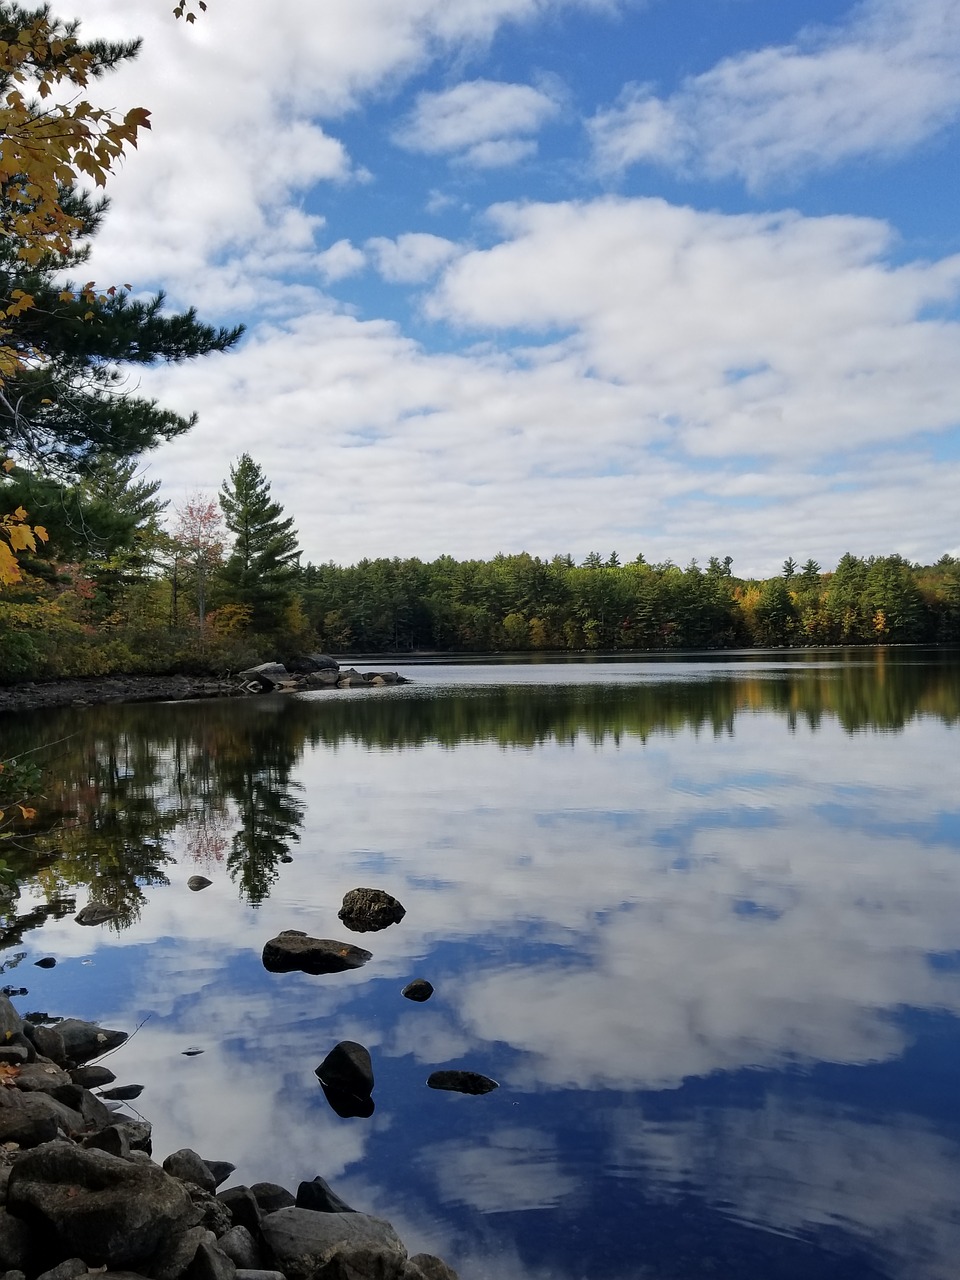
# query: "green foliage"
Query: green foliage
{"points": [[261, 571]]}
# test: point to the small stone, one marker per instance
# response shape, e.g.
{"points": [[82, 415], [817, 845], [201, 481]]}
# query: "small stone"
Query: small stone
{"points": [[419, 989], [95, 913], [286, 857], [196, 883], [92, 1077], [48, 962], [369, 910], [462, 1082]]}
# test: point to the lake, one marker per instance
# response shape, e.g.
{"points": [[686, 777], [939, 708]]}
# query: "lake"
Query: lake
{"points": [[699, 918]]}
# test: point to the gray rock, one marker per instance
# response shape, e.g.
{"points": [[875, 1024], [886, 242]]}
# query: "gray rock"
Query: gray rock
{"points": [[176, 1253], [321, 1198], [295, 951], [111, 1212], [334, 1246], [14, 1275], [95, 1113], [209, 1263], [214, 1215], [243, 1274], [92, 1077], [239, 1245], [10, 1021], [85, 1040], [462, 1082], [323, 662], [47, 962], [430, 1268], [220, 1169], [48, 1042], [34, 1118], [347, 1068], [123, 1093], [419, 989], [243, 1208], [69, 1269], [270, 1196], [369, 910], [111, 1139], [14, 1054], [196, 883], [95, 913], [44, 1077], [189, 1167], [16, 1248], [139, 1134]]}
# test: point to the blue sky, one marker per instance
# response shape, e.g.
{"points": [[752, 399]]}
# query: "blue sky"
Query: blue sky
{"points": [[670, 276]]}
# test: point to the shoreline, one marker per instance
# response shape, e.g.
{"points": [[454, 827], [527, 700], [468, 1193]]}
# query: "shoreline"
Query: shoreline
{"points": [[86, 691]]}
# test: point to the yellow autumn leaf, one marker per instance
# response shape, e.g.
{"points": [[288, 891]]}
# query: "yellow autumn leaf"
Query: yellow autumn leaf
{"points": [[26, 811], [21, 537], [41, 533], [8, 464], [9, 569]]}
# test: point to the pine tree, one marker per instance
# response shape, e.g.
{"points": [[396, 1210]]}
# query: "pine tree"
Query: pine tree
{"points": [[262, 568]]}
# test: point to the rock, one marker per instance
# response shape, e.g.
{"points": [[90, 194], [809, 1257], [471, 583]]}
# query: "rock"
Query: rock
{"points": [[123, 1093], [47, 962], [243, 1208], [47, 1041], [67, 1270], [10, 1021], [111, 1212], [112, 1139], [95, 913], [176, 1253], [31, 1119], [85, 1040], [462, 1082], [267, 675], [14, 1054], [347, 1068], [419, 989], [16, 1249], [220, 1170], [44, 1077], [323, 662], [214, 1214], [252, 1275], [190, 1053], [14, 991], [369, 910], [286, 857], [292, 951], [241, 1248], [189, 1167], [92, 1077], [430, 1268], [334, 1246], [319, 1196], [138, 1133], [95, 1113], [270, 1197], [209, 1263], [196, 883], [348, 1105]]}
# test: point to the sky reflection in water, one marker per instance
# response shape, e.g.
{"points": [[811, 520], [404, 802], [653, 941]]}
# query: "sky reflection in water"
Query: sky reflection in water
{"points": [[700, 920]]}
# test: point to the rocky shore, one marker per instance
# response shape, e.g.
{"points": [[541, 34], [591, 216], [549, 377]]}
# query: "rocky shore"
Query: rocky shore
{"points": [[81, 1195], [318, 671]]}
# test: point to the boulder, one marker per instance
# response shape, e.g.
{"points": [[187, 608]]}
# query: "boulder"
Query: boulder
{"points": [[67, 1270], [209, 1263], [16, 1250], [369, 910], [176, 1253], [48, 962], [85, 1040], [47, 1041], [419, 989], [92, 1077], [291, 951], [429, 1267], [95, 913], [241, 1248], [10, 1021], [334, 1246], [220, 1169], [123, 1093], [31, 1119], [243, 1208], [270, 1197], [323, 662], [348, 1069], [109, 1211], [267, 675], [189, 1167], [321, 1198], [196, 883], [44, 1077], [462, 1082]]}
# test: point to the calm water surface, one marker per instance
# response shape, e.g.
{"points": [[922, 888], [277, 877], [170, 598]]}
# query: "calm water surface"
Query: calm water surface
{"points": [[700, 919]]}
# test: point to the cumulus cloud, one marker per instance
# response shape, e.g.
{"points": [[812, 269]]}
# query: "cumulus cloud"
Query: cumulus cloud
{"points": [[411, 258], [484, 123], [881, 83]]}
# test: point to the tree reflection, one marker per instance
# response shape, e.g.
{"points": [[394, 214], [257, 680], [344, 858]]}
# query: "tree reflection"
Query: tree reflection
{"points": [[131, 788]]}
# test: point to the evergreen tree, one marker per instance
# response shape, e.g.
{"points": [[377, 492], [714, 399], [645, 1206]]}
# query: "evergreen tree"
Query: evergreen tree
{"points": [[262, 568]]}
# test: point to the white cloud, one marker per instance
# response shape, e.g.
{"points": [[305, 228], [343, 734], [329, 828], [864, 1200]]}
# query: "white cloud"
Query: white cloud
{"points": [[411, 258], [342, 259], [483, 122], [879, 84]]}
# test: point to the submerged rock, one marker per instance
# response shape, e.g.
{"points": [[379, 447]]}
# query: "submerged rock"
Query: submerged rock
{"points": [[419, 989], [369, 910], [196, 883], [95, 913], [48, 962], [291, 951], [347, 1067], [462, 1082], [123, 1093]]}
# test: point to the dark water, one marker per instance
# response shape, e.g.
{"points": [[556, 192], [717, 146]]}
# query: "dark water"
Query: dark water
{"points": [[701, 920]]}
